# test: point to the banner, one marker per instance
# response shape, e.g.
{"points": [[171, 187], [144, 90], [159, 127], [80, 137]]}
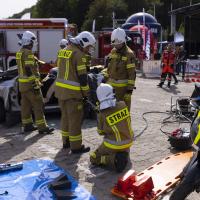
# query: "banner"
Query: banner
{"points": [[193, 66], [148, 45]]}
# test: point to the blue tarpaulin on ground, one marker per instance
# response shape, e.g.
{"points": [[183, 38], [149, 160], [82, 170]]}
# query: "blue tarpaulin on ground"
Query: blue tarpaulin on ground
{"points": [[31, 183]]}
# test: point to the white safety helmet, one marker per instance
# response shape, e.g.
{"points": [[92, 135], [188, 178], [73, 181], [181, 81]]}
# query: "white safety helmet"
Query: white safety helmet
{"points": [[63, 42], [106, 96], [118, 36], [85, 39], [28, 38]]}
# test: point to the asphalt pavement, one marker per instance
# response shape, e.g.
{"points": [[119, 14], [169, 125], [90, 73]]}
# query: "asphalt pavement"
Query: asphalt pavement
{"points": [[149, 147]]}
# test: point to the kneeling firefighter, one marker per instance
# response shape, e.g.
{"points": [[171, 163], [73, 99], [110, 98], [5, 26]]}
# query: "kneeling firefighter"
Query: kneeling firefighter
{"points": [[29, 86], [121, 67], [71, 88], [114, 123], [191, 173]]}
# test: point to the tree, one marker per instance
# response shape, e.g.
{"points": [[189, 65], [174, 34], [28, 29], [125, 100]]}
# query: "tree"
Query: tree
{"points": [[20, 14], [102, 10], [73, 10], [53, 8]]}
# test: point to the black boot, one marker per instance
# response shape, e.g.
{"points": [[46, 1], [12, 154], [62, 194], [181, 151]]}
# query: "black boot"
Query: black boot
{"points": [[47, 130], [121, 160], [169, 85], [176, 82], [160, 84], [66, 144], [83, 149], [29, 128]]}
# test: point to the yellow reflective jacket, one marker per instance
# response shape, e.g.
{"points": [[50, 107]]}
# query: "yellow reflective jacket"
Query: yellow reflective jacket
{"points": [[27, 69], [115, 124], [121, 68], [71, 64]]}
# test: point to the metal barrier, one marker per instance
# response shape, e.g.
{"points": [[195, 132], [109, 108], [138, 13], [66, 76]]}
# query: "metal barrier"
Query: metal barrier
{"points": [[151, 68], [192, 71]]}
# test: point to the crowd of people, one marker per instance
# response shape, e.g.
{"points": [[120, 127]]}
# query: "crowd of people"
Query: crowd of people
{"points": [[173, 62], [71, 89]]}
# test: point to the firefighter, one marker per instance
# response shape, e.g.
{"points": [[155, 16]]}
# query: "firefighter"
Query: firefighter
{"points": [[167, 63], [63, 43], [121, 67], [71, 88], [29, 86], [190, 176], [114, 123]]}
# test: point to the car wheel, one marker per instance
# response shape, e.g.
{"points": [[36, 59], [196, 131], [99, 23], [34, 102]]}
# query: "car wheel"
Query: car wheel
{"points": [[12, 118], [2, 111]]}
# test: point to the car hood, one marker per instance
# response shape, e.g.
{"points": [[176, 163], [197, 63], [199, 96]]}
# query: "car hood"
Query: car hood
{"points": [[5, 89]]}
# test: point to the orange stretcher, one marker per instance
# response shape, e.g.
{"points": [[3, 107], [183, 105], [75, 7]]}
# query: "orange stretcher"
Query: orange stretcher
{"points": [[153, 181]]}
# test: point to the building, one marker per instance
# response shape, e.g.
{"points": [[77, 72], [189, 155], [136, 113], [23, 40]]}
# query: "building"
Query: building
{"points": [[191, 16]]}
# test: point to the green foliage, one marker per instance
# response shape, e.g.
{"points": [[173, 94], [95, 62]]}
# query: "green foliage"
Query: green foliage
{"points": [[101, 11], [73, 10], [83, 12], [20, 14], [181, 28]]}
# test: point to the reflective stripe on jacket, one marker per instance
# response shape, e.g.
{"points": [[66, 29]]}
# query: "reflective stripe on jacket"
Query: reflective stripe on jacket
{"points": [[121, 68], [195, 130], [72, 65], [115, 124], [27, 69]]}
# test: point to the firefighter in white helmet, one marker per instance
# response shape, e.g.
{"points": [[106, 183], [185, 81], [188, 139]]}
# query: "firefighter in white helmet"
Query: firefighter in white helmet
{"points": [[63, 43], [71, 88], [29, 86], [121, 67], [114, 123]]}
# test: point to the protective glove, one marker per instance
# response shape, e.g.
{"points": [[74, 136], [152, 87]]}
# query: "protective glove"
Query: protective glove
{"points": [[85, 99], [127, 96], [36, 84]]}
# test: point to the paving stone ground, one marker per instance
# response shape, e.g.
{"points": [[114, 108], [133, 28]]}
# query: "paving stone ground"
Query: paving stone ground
{"points": [[149, 148]]}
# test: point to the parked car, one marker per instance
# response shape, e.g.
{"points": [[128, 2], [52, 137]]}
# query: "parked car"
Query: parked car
{"points": [[10, 96]]}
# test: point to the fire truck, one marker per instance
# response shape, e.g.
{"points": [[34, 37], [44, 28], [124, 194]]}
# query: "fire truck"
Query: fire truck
{"points": [[48, 31]]}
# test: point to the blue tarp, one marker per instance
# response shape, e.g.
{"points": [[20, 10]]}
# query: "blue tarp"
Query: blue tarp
{"points": [[31, 183]]}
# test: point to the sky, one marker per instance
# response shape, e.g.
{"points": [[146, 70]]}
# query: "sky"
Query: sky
{"points": [[10, 7]]}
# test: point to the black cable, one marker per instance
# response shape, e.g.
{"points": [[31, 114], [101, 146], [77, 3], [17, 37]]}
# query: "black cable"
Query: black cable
{"points": [[174, 113], [146, 126]]}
